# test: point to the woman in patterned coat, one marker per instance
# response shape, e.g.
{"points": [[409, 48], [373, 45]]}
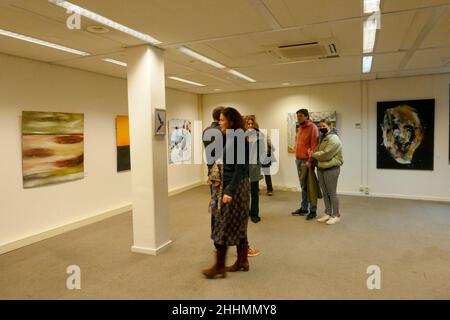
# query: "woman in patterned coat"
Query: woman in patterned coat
{"points": [[231, 198]]}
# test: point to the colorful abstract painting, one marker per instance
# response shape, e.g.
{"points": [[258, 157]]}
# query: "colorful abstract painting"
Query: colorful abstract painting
{"points": [[123, 143], [405, 134], [180, 141], [52, 147], [316, 117]]}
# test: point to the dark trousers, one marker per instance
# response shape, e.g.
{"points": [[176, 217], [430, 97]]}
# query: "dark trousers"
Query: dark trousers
{"points": [[268, 183], [254, 190]]}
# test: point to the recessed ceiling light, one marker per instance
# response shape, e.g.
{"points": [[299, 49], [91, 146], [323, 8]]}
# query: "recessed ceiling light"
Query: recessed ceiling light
{"points": [[97, 29], [285, 84], [187, 81], [120, 63], [217, 89], [367, 64], [240, 75], [105, 21], [369, 34], [371, 6], [42, 42], [200, 57]]}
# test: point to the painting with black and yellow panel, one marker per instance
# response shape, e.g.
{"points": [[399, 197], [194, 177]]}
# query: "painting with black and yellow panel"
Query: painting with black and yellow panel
{"points": [[123, 143]]}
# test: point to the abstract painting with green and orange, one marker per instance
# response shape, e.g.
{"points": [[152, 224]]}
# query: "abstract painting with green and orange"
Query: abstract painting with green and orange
{"points": [[52, 147]]}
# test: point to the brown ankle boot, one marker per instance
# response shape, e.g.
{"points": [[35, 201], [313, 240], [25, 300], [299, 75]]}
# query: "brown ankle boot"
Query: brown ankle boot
{"points": [[242, 260], [219, 267]]}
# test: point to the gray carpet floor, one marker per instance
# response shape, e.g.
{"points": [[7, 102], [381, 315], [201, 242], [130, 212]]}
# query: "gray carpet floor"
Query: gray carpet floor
{"points": [[408, 240]]}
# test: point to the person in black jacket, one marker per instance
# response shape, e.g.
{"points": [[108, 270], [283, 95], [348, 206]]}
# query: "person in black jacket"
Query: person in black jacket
{"points": [[233, 196], [208, 137]]}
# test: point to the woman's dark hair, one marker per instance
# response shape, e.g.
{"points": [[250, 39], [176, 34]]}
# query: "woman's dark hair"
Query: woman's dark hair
{"points": [[216, 113], [234, 118]]}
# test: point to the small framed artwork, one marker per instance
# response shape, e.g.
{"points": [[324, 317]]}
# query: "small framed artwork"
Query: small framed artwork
{"points": [[160, 122]]}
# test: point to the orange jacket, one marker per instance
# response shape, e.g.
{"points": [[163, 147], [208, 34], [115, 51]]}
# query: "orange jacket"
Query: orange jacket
{"points": [[307, 138]]}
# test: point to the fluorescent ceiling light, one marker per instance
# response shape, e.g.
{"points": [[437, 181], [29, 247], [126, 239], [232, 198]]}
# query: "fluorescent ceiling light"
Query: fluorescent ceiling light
{"points": [[187, 81], [198, 56], [371, 6], [42, 42], [103, 20], [120, 63], [213, 63], [240, 75], [369, 33], [367, 64]]}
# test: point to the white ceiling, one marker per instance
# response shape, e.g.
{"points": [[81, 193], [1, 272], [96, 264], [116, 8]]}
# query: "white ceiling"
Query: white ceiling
{"points": [[414, 38]]}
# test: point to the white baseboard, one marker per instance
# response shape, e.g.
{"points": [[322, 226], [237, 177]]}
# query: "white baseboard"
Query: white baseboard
{"points": [[27, 240], [374, 195], [182, 189], [284, 188], [409, 197], [152, 251]]}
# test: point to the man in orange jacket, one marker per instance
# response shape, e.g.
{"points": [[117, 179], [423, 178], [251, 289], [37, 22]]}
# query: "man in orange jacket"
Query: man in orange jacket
{"points": [[307, 140]]}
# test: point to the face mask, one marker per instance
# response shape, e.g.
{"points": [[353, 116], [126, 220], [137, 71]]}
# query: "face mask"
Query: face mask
{"points": [[324, 130]]}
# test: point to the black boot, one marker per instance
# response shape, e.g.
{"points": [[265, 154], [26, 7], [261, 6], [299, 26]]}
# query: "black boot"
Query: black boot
{"points": [[299, 212], [311, 215]]}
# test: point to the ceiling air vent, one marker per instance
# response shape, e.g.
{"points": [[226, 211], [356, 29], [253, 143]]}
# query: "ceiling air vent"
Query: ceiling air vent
{"points": [[305, 51]]}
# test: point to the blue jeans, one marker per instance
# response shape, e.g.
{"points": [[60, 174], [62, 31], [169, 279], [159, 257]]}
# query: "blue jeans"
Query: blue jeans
{"points": [[304, 195]]}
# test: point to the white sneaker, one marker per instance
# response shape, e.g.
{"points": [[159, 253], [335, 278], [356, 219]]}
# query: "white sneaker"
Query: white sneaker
{"points": [[324, 218], [333, 220]]}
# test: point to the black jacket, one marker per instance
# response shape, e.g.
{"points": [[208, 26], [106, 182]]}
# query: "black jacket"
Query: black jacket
{"points": [[233, 171], [210, 156]]}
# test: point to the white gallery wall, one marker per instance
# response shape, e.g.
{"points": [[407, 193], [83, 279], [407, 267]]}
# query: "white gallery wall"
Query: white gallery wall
{"points": [[355, 102], [272, 106], [184, 106], [431, 185], [35, 86]]}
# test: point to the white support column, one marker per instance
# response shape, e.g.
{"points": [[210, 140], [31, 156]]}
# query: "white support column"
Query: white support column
{"points": [[146, 91]]}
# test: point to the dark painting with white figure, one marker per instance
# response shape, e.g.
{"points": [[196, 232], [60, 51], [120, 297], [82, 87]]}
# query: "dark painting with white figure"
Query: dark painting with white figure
{"points": [[405, 134]]}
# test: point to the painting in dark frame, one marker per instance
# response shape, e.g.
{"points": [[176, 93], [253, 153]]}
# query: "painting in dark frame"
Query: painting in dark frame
{"points": [[405, 134]]}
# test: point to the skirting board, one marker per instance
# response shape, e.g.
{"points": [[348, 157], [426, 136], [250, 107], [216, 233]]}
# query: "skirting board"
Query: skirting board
{"points": [[151, 251], [62, 229], [374, 195], [182, 189], [408, 197]]}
